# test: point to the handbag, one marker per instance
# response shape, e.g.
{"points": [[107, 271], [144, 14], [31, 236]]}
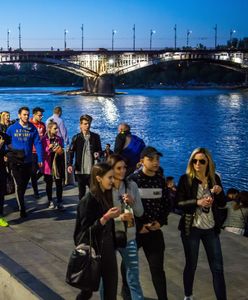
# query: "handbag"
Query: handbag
{"points": [[84, 267], [245, 224]]}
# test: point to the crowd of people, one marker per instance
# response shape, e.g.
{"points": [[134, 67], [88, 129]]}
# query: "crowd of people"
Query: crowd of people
{"points": [[124, 198]]}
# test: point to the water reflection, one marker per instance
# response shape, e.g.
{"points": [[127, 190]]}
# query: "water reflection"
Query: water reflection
{"points": [[109, 109], [173, 121]]}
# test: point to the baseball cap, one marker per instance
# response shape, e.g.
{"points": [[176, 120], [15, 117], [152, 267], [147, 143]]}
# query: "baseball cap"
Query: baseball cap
{"points": [[150, 152]]}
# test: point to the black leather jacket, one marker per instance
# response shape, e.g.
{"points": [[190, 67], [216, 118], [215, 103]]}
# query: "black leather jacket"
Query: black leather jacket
{"points": [[89, 213], [77, 146], [187, 202]]}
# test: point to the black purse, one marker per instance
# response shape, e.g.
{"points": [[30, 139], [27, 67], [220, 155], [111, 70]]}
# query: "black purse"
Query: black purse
{"points": [[84, 267]]}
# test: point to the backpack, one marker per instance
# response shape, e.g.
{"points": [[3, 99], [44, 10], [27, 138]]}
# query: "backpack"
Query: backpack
{"points": [[133, 150]]}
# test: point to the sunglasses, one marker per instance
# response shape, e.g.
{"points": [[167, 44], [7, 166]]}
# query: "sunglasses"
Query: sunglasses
{"points": [[201, 161]]}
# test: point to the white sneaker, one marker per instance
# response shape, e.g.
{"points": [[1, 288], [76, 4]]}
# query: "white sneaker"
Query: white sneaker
{"points": [[188, 298], [51, 205]]}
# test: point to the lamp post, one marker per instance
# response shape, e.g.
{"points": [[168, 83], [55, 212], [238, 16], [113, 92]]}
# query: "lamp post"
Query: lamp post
{"points": [[188, 34], [8, 32], [113, 35], [19, 28], [215, 36], [82, 28], [151, 34], [232, 31], [175, 37], [65, 33], [133, 37]]}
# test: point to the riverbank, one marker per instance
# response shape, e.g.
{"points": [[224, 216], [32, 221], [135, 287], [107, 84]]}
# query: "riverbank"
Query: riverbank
{"points": [[81, 92], [40, 256]]}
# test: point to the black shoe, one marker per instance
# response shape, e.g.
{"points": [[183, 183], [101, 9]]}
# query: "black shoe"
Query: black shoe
{"points": [[23, 214]]}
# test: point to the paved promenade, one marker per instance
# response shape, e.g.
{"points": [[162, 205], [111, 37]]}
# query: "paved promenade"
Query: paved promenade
{"points": [[43, 242]]}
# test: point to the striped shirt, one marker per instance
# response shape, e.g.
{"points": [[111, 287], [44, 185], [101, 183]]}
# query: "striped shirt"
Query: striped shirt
{"points": [[203, 219]]}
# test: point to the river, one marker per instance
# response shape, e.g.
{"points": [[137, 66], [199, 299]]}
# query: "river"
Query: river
{"points": [[174, 121]]}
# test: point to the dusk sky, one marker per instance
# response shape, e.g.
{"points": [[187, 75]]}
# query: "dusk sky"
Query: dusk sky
{"points": [[43, 22]]}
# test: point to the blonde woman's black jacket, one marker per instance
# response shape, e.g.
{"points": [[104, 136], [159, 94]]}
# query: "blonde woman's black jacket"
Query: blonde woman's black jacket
{"points": [[77, 146], [186, 201], [89, 212]]}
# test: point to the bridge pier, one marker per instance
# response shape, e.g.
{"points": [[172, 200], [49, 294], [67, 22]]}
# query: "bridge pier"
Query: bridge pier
{"points": [[102, 85], [246, 78]]}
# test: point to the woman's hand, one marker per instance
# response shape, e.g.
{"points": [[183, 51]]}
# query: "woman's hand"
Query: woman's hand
{"points": [[112, 213], [216, 189], [128, 217], [128, 199], [205, 202]]}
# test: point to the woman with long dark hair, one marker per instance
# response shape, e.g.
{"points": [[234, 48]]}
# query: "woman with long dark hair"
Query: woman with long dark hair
{"points": [[96, 212], [126, 196], [199, 195]]}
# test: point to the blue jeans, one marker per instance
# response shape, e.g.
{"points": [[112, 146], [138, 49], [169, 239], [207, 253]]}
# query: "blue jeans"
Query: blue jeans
{"points": [[131, 261], [211, 243]]}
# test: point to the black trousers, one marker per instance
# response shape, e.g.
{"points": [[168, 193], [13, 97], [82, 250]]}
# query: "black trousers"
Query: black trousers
{"points": [[154, 247], [2, 187], [34, 176], [109, 270], [49, 188], [21, 175], [83, 181]]}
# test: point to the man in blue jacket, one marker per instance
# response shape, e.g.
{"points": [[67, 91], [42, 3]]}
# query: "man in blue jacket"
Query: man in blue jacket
{"points": [[23, 136]]}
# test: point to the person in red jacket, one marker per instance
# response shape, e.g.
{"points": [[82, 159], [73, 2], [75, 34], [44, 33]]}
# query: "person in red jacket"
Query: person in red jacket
{"points": [[41, 128]]}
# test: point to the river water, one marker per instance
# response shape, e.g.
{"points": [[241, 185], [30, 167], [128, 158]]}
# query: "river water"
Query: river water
{"points": [[174, 121]]}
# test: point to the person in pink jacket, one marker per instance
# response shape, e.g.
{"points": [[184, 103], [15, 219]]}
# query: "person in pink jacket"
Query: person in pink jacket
{"points": [[53, 164]]}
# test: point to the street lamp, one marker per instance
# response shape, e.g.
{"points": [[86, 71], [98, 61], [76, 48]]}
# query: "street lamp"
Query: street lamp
{"points": [[19, 28], [8, 32], [113, 34], [175, 29], [232, 31], [151, 34], [65, 32], [215, 36], [82, 28], [133, 37], [188, 34]]}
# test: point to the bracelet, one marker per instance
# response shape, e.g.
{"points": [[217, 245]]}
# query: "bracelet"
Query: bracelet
{"points": [[105, 217]]}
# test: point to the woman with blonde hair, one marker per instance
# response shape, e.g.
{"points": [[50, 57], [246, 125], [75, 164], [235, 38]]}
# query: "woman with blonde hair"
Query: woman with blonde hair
{"points": [[199, 195], [53, 164], [4, 121]]}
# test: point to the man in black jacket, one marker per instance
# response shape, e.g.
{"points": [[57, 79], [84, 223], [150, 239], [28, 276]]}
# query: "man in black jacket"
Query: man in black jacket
{"points": [[87, 147]]}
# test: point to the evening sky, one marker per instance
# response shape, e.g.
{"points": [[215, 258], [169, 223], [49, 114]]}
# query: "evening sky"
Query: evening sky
{"points": [[43, 22]]}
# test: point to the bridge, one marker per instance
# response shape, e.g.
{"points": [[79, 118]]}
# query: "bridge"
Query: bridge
{"points": [[100, 67]]}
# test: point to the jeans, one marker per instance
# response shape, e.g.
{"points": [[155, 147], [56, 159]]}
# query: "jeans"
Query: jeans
{"points": [[154, 247], [211, 243], [130, 258]]}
